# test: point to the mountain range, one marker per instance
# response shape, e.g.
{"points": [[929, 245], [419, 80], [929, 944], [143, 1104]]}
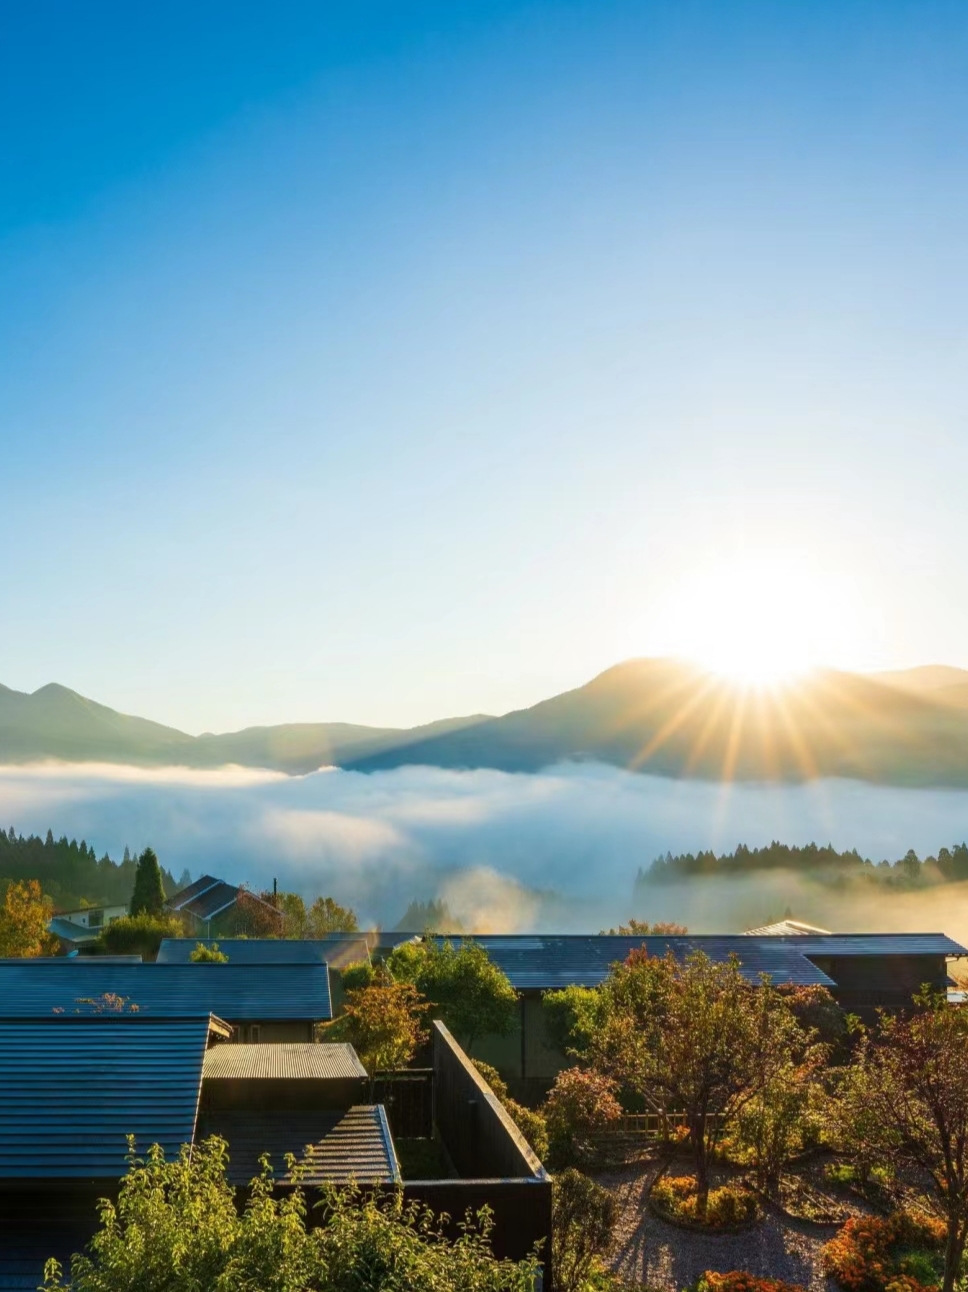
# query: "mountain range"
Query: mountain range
{"points": [[660, 716]]}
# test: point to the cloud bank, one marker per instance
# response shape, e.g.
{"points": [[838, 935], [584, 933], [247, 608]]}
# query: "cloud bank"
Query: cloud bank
{"points": [[557, 850]]}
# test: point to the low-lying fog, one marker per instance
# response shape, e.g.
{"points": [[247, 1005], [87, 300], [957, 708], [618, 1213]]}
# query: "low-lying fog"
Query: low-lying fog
{"points": [[556, 851]]}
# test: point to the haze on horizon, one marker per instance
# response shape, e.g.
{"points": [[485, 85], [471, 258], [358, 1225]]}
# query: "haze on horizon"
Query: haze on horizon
{"points": [[407, 362]]}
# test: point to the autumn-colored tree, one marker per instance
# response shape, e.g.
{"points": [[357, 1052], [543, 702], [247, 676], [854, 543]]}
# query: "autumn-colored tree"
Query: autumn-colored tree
{"points": [[693, 1037], [905, 1104], [642, 928], [252, 917], [383, 1023], [24, 918], [580, 1106]]}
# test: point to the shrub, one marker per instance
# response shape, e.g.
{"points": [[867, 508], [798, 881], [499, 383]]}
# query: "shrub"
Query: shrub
{"points": [[175, 1228], [208, 955], [741, 1281], [138, 935], [571, 1017], [580, 1106], [584, 1216], [676, 1198], [24, 916], [358, 975], [869, 1253]]}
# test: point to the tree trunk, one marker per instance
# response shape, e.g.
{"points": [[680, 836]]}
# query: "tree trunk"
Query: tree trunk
{"points": [[701, 1150], [954, 1250]]}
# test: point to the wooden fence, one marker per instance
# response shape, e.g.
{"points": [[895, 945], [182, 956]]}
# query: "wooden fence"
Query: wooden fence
{"points": [[658, 1126]]}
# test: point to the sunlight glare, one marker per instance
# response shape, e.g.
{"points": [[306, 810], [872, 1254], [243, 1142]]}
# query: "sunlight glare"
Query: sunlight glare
{"points": [[757, 622]]}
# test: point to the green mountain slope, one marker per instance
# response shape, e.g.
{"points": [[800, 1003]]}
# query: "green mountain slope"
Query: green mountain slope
{"points": [[665, 717], [57, 723], [660, 716]]}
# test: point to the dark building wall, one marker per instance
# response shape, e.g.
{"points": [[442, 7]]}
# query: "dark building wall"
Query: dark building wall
{"points": [[520, 1209], [867, 983], [274, 1030]]}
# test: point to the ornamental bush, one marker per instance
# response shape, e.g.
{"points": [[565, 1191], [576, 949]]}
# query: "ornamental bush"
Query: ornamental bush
{"points": [[741, 1281], [676, 1198], [581, 1106], [886, 1254], [529, 1122]]}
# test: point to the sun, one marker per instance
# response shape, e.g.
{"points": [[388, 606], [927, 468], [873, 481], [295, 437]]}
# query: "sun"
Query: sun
{"points": [[758, 621]]}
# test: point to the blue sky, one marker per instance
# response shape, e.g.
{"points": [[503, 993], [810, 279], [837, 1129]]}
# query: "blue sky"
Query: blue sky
{"points": [[381, 362]]}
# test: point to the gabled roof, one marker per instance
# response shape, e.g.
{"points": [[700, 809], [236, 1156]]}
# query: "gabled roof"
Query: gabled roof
{"points": [[542, 961], [75, 1087], [337, 951], [234, 992], [285, 1062], [785, 929], [332, 1148]]}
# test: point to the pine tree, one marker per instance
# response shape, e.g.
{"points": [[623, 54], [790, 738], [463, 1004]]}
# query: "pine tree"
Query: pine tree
{"points": [[149, 891]]}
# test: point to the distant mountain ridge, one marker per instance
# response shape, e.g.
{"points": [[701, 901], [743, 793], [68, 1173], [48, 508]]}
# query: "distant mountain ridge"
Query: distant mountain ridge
{"points": [[660, 716]]}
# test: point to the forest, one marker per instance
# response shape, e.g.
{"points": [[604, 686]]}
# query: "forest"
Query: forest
{"points": [[910, 871], [70, 873]]}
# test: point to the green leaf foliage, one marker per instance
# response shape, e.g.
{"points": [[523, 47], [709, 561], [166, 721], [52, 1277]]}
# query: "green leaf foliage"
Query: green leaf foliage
{"points": [[175, 1228], [148, 896], [464, 987], [138, 935]]}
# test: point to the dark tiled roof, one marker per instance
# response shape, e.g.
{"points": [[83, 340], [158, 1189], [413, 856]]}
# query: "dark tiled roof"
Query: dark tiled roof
{"points": [[541, 961], [336, 951], [327, 1062], [329, 1147], [74, 1088], [185, 895], [234, 992]]}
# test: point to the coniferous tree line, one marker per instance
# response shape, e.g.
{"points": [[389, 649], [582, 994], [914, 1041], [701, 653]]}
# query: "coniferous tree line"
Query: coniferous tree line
{"points": [[949, 866], [70, 873]]}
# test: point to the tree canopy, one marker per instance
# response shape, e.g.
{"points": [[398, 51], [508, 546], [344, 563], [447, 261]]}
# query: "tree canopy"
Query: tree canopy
{"points": [[463, 986], [70, 873], [148, 895], [24, 917]]}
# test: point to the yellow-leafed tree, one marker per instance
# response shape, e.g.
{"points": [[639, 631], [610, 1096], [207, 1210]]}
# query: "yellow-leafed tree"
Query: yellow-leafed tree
{"points": [[24, 918]]}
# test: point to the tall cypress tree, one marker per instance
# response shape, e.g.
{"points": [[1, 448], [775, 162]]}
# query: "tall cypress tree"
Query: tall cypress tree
{"points": [[149, 891]]}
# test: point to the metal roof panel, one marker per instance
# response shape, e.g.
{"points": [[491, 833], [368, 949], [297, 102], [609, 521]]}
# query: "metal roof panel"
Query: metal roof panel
{"points": [[243, 992]]}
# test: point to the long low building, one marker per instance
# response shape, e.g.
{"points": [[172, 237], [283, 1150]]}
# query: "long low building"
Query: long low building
{"points": [[277, 1002], [863, 972]]}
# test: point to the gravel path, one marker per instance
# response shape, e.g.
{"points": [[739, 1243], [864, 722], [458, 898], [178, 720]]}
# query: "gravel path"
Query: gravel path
{"points": [[663, 1256]]}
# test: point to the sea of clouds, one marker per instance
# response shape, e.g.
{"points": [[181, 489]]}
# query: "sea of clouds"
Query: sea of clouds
{"points": [[555, 850]]}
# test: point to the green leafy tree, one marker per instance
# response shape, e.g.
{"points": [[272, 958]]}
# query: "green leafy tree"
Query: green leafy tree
{"points": [[584, 1217], [464, 987], [572, 1016], [148, 897], [327, 916], [355, 976], [208, 953], [176, 1228], [905, 1106], [252, 916], [788, 1114], [693, 1037], [24, 917]]}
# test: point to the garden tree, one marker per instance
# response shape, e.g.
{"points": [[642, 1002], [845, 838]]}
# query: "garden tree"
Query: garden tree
{"points": [[208, 954], [148, 897], [176, 1228], [692, 1037], [905, 1105], [786, 1115], [323, 917], [383, 1023], [817, 1012], [137, 935], [357, 975], [252, 917], [583, 1223], [580, 1106], [24, 917], [464, 987], [571, 1018], [529, 1122]]}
